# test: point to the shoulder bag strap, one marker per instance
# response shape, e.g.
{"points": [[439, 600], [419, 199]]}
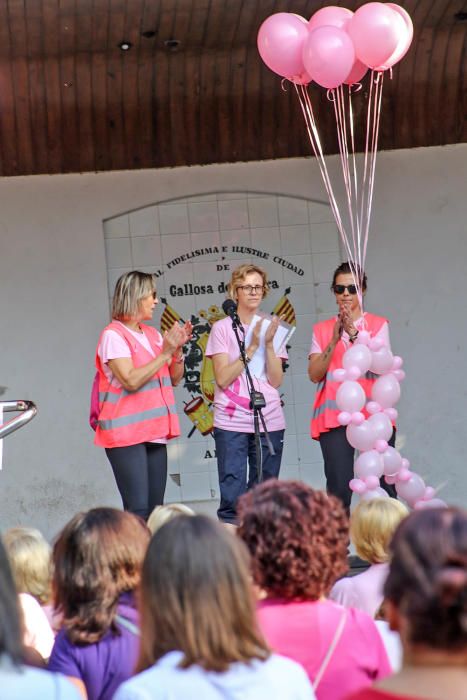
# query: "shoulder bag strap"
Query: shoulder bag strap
{"points": [[330, 651]]}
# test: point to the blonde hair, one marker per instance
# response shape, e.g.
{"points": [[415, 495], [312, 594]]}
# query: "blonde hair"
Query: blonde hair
{"points": [[30, 558], [239, 274], [372, 525], [129, 290], [162, 514]]}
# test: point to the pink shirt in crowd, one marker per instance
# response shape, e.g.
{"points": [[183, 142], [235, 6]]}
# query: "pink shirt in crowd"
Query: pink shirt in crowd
{"points": [[364, 591], [383, 333], [232, 405], [304, 631]]}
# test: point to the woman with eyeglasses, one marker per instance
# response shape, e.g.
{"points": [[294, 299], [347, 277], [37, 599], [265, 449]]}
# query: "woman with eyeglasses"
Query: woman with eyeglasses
{"points": [[233, 417], [331, 339], [137, 369]]}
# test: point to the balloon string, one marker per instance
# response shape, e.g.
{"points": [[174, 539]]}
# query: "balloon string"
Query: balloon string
{"points": [[375, 135]]}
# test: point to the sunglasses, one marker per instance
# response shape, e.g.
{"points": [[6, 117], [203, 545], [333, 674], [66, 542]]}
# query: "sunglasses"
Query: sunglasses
{"points": [[340, 288], [154, 295]]}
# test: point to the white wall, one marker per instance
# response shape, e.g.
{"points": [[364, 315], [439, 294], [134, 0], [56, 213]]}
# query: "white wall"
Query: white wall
{"points": [[55, 301]]}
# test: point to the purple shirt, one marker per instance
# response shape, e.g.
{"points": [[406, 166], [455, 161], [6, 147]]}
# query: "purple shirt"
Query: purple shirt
{"points": [[232, 405], [102, 666]]}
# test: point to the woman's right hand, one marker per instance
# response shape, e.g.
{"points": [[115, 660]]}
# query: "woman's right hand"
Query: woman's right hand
{"points": [[337, 330]]}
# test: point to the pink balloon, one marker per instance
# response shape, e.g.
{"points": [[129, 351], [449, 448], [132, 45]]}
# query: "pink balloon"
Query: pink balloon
{"points": [[344, 418], [369, 463], [381, 361], [357, 486], [375, 30], [362, 437], [397, 362], [381, 425], [429, 493], [280, 44], [374, 493], [372, 482], [339, 375], [392, 461], [350, 397], [405, 463], [357, 418], [357, 356], [375, 344], [328, 56], [403, 475], [399, 374], [303, 79], [353, 373], [406, 36], [373, 407], [381, 446], [432, 503], [330, 16], [386, 390], [363, 338], [358, 72], [392, 414], [412, 489]]}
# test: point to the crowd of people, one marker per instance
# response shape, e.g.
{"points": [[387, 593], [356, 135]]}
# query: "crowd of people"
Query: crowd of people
{"points": [[188, 607]]}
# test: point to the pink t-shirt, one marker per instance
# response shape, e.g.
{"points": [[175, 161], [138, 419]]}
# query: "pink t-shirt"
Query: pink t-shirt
{"points": [[383, 333], [304, 631], [363, 591], [232, 405]]}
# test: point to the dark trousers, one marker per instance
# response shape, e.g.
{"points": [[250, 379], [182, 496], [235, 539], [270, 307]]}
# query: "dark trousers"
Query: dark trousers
{"points": [[236, 465], [141, 475], [338, 457]]}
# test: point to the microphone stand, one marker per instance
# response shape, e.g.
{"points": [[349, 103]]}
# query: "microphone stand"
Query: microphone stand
{"points": [[257, 400]]}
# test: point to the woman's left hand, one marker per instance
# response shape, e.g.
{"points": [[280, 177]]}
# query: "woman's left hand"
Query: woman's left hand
{"points": [[187, 329], [271, 330], [347, 320]]}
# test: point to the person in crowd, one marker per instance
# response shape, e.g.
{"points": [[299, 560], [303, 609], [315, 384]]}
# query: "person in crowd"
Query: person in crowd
{"points": [[330, 340], [137, 369], [29, 554], [18, 681], [372, 525], [298, 538], [426, 602], [199, 635], [233, 417], [97, 566], [162, 514]]}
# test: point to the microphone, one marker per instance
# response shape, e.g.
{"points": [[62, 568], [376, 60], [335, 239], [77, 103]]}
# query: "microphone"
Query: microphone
{"points": [[229, 307]]}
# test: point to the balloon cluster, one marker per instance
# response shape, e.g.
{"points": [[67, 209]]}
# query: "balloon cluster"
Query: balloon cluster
{"points": [[370, 435], [336, 46]]}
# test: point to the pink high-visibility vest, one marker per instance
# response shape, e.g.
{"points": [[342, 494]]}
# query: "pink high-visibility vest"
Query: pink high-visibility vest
{"points": [[132, 417]]}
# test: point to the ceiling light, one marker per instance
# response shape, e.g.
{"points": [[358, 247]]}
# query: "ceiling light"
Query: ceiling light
{"points": [[125, 45]]}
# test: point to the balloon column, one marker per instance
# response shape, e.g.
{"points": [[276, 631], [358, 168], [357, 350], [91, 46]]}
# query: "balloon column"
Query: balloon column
{"points": [[370, 423], [335, 49]]}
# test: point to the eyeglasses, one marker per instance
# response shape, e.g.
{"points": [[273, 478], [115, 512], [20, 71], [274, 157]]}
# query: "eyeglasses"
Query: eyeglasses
{"points": [[154, 295], [249, 289], [340, 288]]}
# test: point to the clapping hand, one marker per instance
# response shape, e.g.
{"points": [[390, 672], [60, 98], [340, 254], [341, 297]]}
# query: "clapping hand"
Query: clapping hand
{"points": [[271, 330]]}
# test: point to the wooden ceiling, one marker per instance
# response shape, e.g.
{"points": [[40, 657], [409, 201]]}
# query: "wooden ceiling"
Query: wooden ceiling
{"points": [[192, 88]]}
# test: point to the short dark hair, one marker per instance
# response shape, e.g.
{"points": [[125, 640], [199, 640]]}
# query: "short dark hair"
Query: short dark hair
{"points": [[10, 626], [197, 597], [297, 538], [347, 268], [427, 578], [98, 556]]}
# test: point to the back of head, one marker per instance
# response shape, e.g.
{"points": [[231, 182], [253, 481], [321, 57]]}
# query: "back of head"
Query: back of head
{"points": [[196, 597], [10, 627], [162, 514], [372, 525], [30, 558], [427, 579], [97, 557], [297, 538]]}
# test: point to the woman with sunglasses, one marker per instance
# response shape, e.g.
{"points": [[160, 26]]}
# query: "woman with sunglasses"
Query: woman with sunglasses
{"points": [[331, 339], [137, 369], [233, 417]]}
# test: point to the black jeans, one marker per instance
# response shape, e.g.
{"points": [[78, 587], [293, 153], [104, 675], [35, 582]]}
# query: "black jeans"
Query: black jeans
{"points": [[141, 475], [236, 464], [338, 457]]}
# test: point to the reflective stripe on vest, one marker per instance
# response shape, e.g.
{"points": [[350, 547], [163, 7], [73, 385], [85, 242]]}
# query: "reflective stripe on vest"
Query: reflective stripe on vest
{"points": [[153, 384], [136, 417], [325, 410]]}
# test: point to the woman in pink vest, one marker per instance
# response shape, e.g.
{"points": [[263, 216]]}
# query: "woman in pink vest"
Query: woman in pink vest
{"points": [[137, 368], [331, 339]]}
